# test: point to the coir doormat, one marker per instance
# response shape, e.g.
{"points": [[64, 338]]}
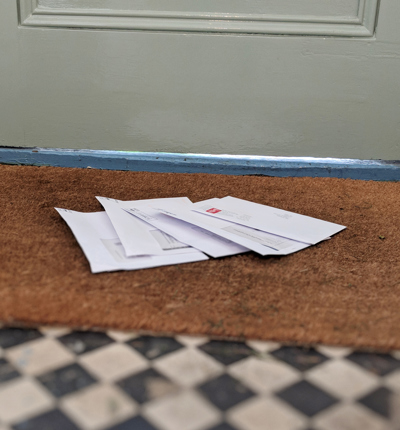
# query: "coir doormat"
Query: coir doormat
{"points": [[345, 291]]}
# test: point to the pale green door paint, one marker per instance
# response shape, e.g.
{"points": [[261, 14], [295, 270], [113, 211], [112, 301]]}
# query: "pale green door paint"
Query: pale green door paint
{"points": [[316, 78]]}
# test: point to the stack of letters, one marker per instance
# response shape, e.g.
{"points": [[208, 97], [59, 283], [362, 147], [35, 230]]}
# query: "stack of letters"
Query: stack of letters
{"points": [[141, 234]]}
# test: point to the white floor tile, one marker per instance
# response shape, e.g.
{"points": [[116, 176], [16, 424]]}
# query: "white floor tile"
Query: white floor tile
{"points": [[121, 336], [188, 367], [264, 376], [263, 346], [98, 406], [342, 379], [265, 413], [160, 387], [333, 351], [392, 381], [191, 340], [21, 399], [113, 362], [350, 417], [54, 331], [39, 356], [186, 410]]}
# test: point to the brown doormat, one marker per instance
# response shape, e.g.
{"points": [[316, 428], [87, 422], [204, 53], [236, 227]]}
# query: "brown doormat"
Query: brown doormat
{"points": [[345, 291]]}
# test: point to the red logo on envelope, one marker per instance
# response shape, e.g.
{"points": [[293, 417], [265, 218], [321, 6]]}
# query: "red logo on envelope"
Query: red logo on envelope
{"points": [[213, 210]]}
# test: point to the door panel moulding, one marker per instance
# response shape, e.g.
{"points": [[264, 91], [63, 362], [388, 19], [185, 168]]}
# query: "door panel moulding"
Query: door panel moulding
{"points": [[377, 170], [32, 14]]}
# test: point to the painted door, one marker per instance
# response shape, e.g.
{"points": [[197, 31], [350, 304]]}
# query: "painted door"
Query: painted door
{"points": [[316, 78]]}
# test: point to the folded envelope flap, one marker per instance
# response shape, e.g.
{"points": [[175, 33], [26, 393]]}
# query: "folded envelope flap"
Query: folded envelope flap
{"points": [[135, 238]]}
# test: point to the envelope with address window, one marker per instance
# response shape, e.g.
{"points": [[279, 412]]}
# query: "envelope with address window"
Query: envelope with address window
{"points": [[283, 223]]}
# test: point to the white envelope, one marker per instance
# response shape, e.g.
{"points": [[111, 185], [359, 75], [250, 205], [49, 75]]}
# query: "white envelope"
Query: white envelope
{"points": [[256, 240], [136, 236], [102, 247], [272, 220], [201, 239]]}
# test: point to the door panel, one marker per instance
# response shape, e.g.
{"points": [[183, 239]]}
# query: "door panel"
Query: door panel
{"points": [[102, 75], [272, 7], [312, 17]]}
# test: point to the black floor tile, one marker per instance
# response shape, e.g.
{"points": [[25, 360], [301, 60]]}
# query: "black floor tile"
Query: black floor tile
{"points": [[147, 385], [225, 392], [66, 380], [379, 401], [301, 358], [136, 423], [80, 342], [7, 371], [380, 364], [307, 398], [14, 336], [53, 420], [153, 347], [227, 352]]}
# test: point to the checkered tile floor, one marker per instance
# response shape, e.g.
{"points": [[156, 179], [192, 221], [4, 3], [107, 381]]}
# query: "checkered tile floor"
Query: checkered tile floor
{"points": [[55, 379]]}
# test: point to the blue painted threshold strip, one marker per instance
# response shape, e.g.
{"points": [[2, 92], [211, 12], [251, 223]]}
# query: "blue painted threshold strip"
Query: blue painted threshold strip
{"points": [[377, 170]]}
